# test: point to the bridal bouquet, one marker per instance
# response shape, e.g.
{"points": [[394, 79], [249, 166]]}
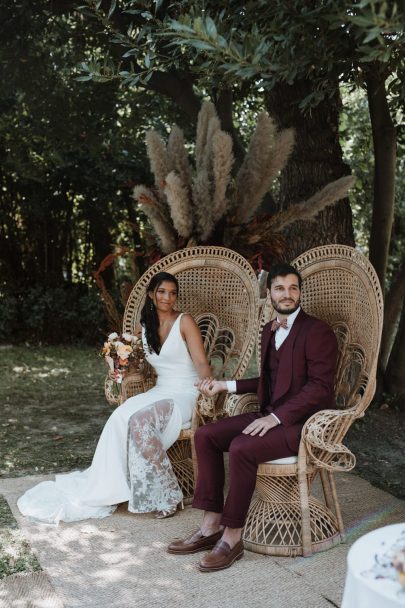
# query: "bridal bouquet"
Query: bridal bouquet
{"points": [[123, 353]]}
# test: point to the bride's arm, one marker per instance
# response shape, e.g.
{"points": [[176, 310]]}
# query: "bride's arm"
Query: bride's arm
{"points": [[192, 336]]}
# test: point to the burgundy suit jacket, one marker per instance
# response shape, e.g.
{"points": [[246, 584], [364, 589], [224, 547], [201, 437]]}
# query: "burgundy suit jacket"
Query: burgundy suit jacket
{"points": [[305, 377]]}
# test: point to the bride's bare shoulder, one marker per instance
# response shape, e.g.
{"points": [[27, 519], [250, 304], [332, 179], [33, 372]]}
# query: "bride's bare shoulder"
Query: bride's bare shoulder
{"points": [[186, 317], [187, 322]]}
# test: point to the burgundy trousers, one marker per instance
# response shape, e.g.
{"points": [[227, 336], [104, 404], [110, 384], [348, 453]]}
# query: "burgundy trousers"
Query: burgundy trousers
{"points": [[246, 452]]}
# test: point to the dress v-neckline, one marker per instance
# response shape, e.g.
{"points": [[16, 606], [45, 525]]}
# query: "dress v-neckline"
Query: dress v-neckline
{"points": [[168, 335]]}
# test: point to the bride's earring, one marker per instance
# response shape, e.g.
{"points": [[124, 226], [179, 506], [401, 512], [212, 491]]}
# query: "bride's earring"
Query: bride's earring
{"points": [[151, 305]]}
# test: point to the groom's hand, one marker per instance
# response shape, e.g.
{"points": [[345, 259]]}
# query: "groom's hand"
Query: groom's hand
{"points": [[210, 387], [261, 426]]}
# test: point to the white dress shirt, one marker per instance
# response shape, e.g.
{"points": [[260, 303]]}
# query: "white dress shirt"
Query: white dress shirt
{"points": [[281, 335]]}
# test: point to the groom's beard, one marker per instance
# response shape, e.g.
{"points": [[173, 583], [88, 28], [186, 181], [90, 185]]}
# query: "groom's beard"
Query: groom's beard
{"points": [[278, 306]]}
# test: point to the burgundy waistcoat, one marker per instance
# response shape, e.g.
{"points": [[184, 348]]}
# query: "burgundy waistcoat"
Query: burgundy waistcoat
{"points": [[271, 369]]}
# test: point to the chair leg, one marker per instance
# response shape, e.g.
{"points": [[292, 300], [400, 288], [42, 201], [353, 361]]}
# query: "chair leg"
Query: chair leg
{"points": [[336, 505], [327, 489], [304, 501]]}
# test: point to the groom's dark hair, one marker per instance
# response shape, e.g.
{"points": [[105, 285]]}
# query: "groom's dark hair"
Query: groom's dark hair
{"points": [[282, 269]]}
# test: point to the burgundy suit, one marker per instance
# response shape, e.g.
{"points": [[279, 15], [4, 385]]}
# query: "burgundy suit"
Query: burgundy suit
{"points": [[294, 383], [305, 375]]}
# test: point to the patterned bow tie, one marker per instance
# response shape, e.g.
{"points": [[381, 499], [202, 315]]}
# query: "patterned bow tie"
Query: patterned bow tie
{"points": [[276, 324]]}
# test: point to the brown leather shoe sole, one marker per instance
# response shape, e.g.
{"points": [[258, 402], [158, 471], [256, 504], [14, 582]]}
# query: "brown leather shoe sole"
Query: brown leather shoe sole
{"points": [[201, 544]]}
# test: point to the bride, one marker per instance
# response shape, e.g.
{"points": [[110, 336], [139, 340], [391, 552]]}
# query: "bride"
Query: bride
{"points": [[130, 462]]}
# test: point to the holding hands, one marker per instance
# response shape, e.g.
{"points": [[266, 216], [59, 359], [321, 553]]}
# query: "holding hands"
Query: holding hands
{"points": [[210, 387]]}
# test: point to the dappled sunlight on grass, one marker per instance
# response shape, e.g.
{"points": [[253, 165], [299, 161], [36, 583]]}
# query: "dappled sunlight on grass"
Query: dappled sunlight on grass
{"points": [[44, 372], [52, 408]]}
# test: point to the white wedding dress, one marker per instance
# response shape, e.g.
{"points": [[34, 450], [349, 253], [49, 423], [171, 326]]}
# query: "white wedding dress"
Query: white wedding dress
{"points": [[123, 468]]}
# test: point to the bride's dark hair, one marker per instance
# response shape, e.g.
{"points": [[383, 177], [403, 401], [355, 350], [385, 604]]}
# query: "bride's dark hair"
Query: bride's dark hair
{"points": [[149, 317]]}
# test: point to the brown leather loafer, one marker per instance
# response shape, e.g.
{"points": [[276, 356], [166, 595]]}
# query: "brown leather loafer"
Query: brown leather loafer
{"points": [[221, 557], [195, 542]]}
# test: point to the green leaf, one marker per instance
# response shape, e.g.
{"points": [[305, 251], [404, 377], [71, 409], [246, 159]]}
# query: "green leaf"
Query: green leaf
{"points": [[362, 21], [131, 52], [83, 78], [133, 11], [146, 61], [202, 45], [210, 27], [222, 42], [112, 8], [99, 78], [198, 25], [180, 27], [374, 33], [230, 67]]}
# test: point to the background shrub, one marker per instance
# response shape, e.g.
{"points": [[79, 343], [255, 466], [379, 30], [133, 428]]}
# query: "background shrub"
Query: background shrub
{"points": [[58, 315]]}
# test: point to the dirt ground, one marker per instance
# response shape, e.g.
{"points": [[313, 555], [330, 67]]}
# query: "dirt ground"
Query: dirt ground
{"points": [[378, 441]]}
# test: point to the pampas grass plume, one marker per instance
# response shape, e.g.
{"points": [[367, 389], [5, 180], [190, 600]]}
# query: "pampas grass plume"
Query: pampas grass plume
{"points": [[178, 154], [158, 157], [309, 209], [151, 207], [222, 161], [202, 205], [179, 204], [253, 170], [205, 114]]}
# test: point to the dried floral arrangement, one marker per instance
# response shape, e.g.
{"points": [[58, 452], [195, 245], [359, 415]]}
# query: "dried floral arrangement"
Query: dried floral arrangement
{"points": [[207, 204]]}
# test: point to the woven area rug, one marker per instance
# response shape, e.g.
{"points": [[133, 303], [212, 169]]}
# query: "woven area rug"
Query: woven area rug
{"points": [[121, 561]]}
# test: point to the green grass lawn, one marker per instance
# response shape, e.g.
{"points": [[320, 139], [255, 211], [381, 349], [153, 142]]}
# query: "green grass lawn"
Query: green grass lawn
{"points": [[52, 408]]}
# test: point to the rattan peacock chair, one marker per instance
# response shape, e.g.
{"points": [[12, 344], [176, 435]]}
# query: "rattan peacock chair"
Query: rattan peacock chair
{"points": [[341, 287], [219, 288]]}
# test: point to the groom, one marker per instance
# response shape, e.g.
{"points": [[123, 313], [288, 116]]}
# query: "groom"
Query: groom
{"points": [[298, 362]]}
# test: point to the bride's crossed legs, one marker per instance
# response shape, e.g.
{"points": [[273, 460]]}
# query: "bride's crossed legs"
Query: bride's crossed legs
{"points": [[153, 484]]}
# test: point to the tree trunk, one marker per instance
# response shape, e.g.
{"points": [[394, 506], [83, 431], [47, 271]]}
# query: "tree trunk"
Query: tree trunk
{"points": [[223, 100], [394, 379], [384, 141], [392, 312], [315, 162]]}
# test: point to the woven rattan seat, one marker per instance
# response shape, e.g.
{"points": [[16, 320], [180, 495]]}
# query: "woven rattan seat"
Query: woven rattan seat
{"points": [[219, 288], [342, 288]]}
